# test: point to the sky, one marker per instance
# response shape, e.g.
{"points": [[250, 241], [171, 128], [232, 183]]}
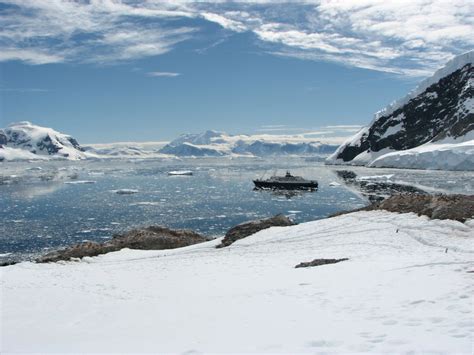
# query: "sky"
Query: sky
{"points": [[144, 70]]}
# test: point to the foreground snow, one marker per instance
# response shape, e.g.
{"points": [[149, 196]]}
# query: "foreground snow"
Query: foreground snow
{"points": [[400, 291]]}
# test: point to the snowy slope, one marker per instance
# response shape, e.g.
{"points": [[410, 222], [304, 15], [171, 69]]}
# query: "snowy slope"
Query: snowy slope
{"points": [[213, 143], [23, 140], [438, 112], [399, 292], [437, 156]]}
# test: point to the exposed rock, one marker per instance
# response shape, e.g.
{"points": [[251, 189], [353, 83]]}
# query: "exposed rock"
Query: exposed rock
{"points": [[248, 228], [318, 262], [375, 190], [157, 238], [455, 207], [8, 263], [3, 138], [150, 238], [77, 251], [346, 175]]}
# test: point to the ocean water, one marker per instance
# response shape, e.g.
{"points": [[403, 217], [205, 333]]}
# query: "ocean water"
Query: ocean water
{"points": [[49, 205]]}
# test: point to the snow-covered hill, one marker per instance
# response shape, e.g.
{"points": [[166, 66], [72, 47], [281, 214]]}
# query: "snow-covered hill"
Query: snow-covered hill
{"points": [[25, 141], [213, 143], [407, 287], [125, 150], [431, 128]]}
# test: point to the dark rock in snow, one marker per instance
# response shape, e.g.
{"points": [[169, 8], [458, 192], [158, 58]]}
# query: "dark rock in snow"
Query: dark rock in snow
{"points": [[346, 175], [150, 238], [248, 228], [375, 190], [455, 207], [8, 263], [157, 238], [319, 262]]}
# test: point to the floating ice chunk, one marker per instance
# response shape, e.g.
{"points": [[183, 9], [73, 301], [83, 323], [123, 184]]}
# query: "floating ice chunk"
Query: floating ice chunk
{"points": [[376, 177], [180, 173], [334, 184], [146, 203], [79, 182]]}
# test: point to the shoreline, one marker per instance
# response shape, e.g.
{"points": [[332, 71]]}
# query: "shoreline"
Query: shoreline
{"points": [[452, 207]]}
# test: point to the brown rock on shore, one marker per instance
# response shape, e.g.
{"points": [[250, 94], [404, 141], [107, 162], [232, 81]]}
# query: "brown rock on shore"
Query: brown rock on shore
{"points": [[150, 238], [248, 228], [455, 207]]}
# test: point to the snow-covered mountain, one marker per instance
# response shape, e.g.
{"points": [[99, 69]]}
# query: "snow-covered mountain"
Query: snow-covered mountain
{"points": [[125, 150], [25, 141], [213, 143], [431, 128]]}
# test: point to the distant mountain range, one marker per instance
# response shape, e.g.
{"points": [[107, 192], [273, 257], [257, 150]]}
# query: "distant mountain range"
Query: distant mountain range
{"points": [[431, 128], [213, 143], [26, 141]]}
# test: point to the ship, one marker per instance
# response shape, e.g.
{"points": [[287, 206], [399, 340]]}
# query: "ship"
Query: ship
{"points": [[287, 182]]}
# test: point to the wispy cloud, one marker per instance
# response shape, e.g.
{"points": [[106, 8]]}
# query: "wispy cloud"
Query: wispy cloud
{"points": [[107, 31], [408, 37], [162, 73], [23, 90]]}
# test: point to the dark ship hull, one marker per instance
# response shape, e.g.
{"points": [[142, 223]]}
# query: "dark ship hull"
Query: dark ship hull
{"points": [[281, 185]]}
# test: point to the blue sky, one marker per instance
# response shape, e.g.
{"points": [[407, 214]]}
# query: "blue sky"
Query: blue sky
{"points": [[107, 70]]}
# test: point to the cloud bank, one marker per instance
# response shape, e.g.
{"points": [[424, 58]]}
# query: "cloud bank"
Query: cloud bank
{"points": [[408, 37]]}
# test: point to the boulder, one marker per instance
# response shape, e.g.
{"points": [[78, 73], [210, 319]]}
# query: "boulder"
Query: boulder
{"points": [[456, 207], [248, 228], [157, 238], [149, 238]]}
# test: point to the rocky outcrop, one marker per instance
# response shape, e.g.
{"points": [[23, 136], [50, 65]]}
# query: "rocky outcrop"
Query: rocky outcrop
{"points": [[319, 262], [157, 238], [248, 228], [377, 190], [456, 207], [150, 238]]}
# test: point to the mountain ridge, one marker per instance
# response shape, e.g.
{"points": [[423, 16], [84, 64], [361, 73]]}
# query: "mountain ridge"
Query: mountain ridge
{"points": [[439, 111]]}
